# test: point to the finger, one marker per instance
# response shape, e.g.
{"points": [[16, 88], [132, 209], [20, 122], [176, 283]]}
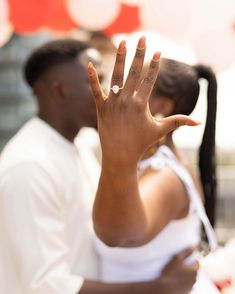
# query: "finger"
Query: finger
{"points": [[173, 122], [136, 68], [148, 82], [118, 71], [194, 266], [97, 91], [185, 254]]}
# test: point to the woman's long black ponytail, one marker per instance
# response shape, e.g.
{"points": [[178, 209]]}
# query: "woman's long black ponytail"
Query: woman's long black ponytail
{"points": [[180, 82], [207, 154]]}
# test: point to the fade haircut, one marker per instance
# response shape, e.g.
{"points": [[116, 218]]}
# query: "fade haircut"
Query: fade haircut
{"points": [[49, 55]]}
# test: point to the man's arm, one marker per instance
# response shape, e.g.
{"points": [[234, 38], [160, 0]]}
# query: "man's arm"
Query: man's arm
{"points": [[177, 278], [34, 225], [126, 128], [154, 287]]}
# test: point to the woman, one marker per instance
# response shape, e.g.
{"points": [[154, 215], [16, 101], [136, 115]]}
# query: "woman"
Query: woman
{"points": [[168, 190]]}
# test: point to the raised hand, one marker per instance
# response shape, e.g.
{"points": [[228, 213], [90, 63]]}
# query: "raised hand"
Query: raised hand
{"points": [[124, 121], [126, 128]]}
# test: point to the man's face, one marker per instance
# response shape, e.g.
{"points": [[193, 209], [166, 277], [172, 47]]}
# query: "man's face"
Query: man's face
{"points": [[81, 107]]}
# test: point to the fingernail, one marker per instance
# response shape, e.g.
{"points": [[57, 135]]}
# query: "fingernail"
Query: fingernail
{"points": [[157, 56], [122, 47], [141, 43], [89, 68], [193, 123]]}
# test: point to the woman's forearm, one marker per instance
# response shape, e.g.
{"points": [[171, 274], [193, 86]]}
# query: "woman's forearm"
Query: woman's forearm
{"points": [[126, 128], [118, 213]]}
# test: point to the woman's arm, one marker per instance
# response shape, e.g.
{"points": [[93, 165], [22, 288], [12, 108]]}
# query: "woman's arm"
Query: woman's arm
{"points": [[126, 128], [164, 198], [161, 197]]}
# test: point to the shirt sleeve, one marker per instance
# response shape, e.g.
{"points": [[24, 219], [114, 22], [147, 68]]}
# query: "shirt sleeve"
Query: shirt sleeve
{"points": [[35, 224]]}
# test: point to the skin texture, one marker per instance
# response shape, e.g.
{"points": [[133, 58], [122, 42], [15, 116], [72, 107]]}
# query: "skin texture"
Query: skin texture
{"points": [[124, 120], [66, 103]]}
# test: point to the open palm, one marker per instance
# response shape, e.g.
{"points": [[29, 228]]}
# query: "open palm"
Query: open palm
{"points": [[125, 124]]}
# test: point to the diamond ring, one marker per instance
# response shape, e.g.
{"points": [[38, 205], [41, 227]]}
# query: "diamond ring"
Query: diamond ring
{"points": [[116, 89]]}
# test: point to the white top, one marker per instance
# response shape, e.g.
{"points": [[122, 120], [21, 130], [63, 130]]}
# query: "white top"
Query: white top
{"points": [[47, 185], [146, 262]]}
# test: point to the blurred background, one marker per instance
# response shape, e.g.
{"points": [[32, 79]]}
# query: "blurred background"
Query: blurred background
{"points": [[192, 31]]}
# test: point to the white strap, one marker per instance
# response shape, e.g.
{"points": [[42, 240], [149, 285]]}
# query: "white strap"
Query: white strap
{"points": [[164, 156], [181, 171]]}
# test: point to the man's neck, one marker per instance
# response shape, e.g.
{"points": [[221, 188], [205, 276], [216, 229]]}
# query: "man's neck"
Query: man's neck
{"points": [[60, 126]]}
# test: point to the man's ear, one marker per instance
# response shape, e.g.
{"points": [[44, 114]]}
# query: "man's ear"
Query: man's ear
{"points": [[59, 93]]}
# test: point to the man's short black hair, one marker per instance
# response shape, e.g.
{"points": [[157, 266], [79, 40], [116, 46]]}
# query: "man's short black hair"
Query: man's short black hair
{"points": [[51, 54]]}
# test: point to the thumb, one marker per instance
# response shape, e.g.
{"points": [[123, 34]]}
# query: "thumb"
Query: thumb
{"points": [[173, 122]]}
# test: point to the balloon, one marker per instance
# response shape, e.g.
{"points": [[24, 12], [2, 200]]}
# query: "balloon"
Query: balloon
{"points": [[4, 11], [209, 16], [133, 2], [216, 48], [126, 22], [5, 33], [167, 17], [5, 27], [94, 15], [32, 15]]}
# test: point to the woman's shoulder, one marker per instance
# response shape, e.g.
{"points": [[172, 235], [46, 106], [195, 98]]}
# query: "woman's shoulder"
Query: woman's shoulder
{"points": [[167, 189]]}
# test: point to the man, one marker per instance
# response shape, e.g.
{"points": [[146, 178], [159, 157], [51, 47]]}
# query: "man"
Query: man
{"points": [[47, 188]]}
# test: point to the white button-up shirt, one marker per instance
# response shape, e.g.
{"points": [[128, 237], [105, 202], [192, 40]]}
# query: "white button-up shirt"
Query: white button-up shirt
{"points": [[47, 187]]}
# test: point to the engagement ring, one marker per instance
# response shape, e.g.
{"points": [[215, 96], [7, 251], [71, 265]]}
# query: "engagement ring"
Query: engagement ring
{"points": [[116, 89]]}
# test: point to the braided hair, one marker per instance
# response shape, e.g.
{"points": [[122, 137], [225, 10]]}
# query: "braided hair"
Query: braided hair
{"points": [[180, 82]]}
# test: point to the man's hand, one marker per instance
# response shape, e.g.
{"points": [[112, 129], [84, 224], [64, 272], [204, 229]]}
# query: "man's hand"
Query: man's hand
{"points": [[124, 120], [178, 276]]}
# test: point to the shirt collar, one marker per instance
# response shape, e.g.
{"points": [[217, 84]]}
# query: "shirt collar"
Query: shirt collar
{"points": [[53, 133]]}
